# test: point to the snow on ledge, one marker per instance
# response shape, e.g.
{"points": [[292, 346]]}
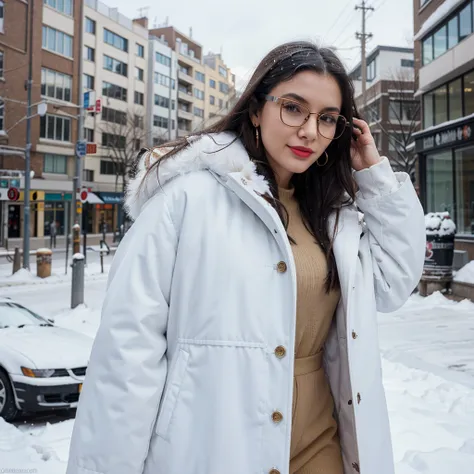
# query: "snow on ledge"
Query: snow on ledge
{"points": [[466, 273], [441, 12], [443, 124]]}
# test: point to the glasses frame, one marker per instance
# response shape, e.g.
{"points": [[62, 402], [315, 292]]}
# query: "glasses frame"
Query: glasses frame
{"points": [[282, 100]]}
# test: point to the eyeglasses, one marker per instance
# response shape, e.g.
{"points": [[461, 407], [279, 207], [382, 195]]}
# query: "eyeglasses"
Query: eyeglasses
{"points": [[295, 114]]}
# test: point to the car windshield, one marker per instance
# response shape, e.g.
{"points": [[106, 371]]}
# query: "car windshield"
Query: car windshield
{"points": [[15, 315]]}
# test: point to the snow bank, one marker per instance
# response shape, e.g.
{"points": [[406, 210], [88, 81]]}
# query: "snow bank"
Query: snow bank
{"points": [[466, 273], [439, 224]]}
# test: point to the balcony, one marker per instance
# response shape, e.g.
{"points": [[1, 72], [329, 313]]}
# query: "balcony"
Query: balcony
{"points": [[186, 78], [186, 96], [185, 115]]}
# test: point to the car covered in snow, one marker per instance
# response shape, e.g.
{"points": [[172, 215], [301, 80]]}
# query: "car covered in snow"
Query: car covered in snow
{"points": [[42, 366]]}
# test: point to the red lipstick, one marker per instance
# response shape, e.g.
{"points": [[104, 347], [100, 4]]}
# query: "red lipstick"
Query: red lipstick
{"points": [[301, 151]]}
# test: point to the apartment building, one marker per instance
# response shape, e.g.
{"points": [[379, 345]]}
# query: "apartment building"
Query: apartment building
{"points": [[115, 67], [55, 81], [162, 93], [444, 59], [392, 111], [202, 84]]}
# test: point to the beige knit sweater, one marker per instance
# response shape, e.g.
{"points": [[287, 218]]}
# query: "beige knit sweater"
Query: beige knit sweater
{"points": [[315, 447]]}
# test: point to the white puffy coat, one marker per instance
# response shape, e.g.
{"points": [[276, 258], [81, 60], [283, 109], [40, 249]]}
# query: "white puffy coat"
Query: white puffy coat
{"points": [[183, 376]]}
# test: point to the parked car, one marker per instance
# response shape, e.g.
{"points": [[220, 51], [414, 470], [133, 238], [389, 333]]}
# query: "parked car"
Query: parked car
{"points": [[42, 366]]}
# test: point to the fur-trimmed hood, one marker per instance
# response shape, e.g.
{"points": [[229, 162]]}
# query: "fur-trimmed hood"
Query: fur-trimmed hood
{"points": [[221, 153]]}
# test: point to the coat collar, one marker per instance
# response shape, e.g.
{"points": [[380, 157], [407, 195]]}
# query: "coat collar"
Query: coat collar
{"points": [[221, 153]]}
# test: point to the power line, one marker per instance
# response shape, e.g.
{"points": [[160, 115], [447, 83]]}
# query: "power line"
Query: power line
{"points": [[343, 30], [338, 18]]}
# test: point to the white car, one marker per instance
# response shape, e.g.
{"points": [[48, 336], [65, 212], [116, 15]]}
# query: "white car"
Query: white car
{"points": [[42, 366]]}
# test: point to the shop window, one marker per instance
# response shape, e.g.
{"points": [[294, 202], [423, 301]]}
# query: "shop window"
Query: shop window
{"points": [[455, 99], [469, 93], [465, 190], [465, 21], [440, 105], [427, 50], [439, 182], [440, 41], [453, 32]]}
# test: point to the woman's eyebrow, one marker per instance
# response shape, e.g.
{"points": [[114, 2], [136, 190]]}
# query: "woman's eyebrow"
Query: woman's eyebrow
{"points": [[292, 95]]}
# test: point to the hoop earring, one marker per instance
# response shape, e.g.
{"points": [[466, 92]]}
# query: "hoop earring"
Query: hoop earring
{"points": [[326, 162], [257, 136]]}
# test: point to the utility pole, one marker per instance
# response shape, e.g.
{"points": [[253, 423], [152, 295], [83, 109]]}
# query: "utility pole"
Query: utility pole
{"points": [[29, 86], [363, 39]]}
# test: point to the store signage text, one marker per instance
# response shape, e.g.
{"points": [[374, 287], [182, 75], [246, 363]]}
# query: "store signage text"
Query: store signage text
{"points": [[447, 137]]}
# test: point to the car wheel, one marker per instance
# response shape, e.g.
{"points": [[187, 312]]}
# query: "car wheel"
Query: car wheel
{"points": [[8, 410]]}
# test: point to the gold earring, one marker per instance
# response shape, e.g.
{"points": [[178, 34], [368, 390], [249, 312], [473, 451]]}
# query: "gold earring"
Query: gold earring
{"points": [[325, 163], [257, 136]]}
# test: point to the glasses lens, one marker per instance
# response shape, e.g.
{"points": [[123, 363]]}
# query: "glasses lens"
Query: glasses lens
{"points": [[293, 114], [331, 126]]}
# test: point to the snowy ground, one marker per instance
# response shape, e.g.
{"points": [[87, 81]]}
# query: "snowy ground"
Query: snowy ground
{"points": [[428, 362]]}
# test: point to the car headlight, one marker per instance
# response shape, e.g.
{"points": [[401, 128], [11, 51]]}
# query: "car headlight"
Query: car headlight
{"points": [[38, 373]]}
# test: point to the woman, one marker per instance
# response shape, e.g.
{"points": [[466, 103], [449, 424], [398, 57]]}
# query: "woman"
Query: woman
{"points": [[239, 332]]}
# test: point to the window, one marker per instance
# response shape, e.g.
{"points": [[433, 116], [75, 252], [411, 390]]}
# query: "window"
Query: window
{"points": [[465, 22], [440, 43], [63, 6], [372, 69], [113, 91], [88, 175], [428, 111], [221, 103], [115, 40], [2, 115], [402, 110], [184, 70], [163, 80], [223, 71], [114, 65], [159, 121], [57, 41], [374, 111], [395, 141], [469, 93], [113, 141], [89, 53], [455, 99], [55, 164], [200, 76], [138, 121], [212, 100], [199, 94], [223, 87], [465, 190], [107, 167], [198, 112], [89, 82], [408, 63], [453, 32], [140, 51], [439, 182], [139, 98], [114, 116], [89, 134], [162, 101], [428, 50], [56, 85], [1, 16], [1, 63], [90, 26], [440, 105], [55, 127], [162, 59], [212, 83], [139, 74]]}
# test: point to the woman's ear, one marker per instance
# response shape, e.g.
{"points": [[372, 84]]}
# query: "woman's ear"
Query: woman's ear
{"points": [[254, 113]]}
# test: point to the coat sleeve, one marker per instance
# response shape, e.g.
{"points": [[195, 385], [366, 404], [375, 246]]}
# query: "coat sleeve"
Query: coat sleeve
{"points": [[396, 232], [127, 369]]}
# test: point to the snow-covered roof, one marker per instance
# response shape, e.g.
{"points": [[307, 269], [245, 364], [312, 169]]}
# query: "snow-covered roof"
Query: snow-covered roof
{"points": [[437, 16], [432, 128]]}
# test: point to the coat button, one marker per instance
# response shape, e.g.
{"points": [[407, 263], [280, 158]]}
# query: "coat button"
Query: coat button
{"points": [[277, 417], [274, 471], [280, 352], [354, 335], [281, 267]]}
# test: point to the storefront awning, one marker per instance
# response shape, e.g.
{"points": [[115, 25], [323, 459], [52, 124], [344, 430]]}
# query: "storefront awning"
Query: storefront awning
{"points": [[94, 199]]}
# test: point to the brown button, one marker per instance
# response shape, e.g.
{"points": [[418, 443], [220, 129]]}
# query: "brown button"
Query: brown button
{"points": [[274, 471], [281, 267], [280, 352], [354, 335], [277, 417]]}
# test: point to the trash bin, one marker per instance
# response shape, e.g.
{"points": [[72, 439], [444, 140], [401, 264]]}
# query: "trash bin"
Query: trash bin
{"points": [[44, 259], [439, 254]]}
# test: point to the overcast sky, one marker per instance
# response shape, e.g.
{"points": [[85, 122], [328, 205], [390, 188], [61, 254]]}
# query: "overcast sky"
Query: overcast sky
{"points": [[246, 30]]}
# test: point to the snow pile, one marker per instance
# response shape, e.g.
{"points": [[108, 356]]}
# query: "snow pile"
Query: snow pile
{"points": [[439, 224], [466, 273], [441, 12], [81, 319]]}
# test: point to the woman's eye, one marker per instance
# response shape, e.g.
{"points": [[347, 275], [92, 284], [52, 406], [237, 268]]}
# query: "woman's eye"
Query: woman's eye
{"points": [[329, 119], [292, 108]]}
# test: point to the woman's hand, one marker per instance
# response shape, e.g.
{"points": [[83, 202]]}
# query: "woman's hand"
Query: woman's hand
{"points": [[364, 152]]}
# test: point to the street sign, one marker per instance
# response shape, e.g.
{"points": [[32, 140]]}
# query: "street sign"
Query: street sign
{"points": [[13, 194], [81, 148], [91, 148], [98, 106], [84, 194], [89, 100], [79, 207]]}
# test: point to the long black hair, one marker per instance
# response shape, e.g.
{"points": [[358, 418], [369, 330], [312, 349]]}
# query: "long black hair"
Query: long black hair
{"points": [[321, 190]]}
